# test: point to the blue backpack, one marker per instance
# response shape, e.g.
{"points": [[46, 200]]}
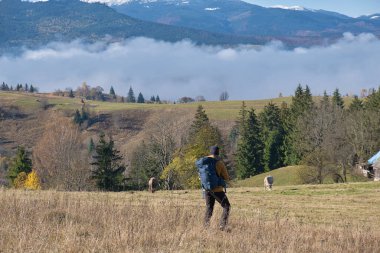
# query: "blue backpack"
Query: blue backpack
{"points": [[207, 173]]}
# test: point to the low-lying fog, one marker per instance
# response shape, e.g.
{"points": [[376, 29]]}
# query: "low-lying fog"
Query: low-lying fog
{"points": [[173, 70]]}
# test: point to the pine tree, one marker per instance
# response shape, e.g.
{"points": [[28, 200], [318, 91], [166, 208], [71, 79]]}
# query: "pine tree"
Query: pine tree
{"points": [[373, 100], [153, 99], [250, 148], [112, 93], [71, 93], [273, 137], [131, 96], [356, 105], [158, 99], [20, 163], [91, 145], [302, 104], [77, 118], [337, 99], [26, 89], [140, 98], [108, 172], [325, 103], [200, 120]]}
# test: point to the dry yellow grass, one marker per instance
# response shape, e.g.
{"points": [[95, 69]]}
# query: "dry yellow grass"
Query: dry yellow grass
{"points": [[334, 218]]}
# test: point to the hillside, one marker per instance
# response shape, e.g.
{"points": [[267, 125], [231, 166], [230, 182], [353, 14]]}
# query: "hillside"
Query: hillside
{"points": [[243, 19], [286, 176], [36, 24], [23, 117]]}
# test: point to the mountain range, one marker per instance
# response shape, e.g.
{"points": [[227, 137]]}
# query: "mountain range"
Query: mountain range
{"points": [[237, 17], [223, 22]]}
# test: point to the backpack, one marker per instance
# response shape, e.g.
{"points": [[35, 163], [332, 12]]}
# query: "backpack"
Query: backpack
{"points": [[207, 173]]}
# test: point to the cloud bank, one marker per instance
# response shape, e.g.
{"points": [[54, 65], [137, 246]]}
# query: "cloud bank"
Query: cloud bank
{"points": [[173, 70]]}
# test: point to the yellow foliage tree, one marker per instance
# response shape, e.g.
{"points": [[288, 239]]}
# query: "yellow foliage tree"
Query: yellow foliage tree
{"points": [[32, 181], [19, 181]]}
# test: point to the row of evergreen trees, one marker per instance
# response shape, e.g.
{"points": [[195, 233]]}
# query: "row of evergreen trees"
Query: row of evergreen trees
{"points": [[97, 93], [305, 132], [19, 87]]}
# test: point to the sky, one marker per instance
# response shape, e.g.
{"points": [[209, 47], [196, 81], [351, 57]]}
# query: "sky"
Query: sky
{"points": [[174, 70], [353, 8]]}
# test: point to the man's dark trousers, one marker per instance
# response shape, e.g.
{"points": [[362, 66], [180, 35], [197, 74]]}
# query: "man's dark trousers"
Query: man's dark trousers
{"points": [[221, 197]]}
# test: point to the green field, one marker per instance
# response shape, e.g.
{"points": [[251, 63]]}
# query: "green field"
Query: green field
{"points": [[217, 110]]}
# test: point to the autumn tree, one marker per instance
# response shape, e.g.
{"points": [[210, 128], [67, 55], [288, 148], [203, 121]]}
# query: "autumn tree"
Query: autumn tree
{"points": [[181, 172], [59, 157]]}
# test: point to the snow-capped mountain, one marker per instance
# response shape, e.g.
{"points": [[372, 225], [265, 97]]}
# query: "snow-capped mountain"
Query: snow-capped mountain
{"points": [[222, 22], [237, 17], [293, 8]]}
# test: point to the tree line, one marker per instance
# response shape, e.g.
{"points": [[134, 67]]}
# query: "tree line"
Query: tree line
{"points": [[19, 87], [324, 133], [87, 92]]}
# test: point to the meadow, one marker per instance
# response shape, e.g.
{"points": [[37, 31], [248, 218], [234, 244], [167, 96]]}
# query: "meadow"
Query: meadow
{"points": [[216, 110], [308, 218]]}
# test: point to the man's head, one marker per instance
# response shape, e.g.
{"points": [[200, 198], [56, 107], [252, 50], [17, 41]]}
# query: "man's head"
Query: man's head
{"points": [[214, 150]]}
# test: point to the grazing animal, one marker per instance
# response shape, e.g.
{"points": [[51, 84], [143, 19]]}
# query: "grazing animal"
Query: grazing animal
{"points": [[152, 184], [268, 182]]}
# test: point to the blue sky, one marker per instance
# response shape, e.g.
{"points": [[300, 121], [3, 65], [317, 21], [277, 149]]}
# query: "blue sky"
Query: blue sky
{"points": [[352, 8]]}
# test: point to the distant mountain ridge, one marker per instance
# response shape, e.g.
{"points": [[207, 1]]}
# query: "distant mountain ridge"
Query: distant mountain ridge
{"points": [[212, 22], [240, 18], [35, 24]]}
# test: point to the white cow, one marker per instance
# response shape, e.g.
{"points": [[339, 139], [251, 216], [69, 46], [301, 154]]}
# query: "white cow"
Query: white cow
{"points": [[152, 184], [268, 182]]}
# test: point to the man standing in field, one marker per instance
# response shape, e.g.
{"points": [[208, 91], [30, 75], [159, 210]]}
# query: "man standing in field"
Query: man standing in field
{"points": [[213, 174]]}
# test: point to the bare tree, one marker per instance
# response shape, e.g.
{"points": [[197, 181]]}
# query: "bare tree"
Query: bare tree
{"points": [[59, 158], [320, 141]]}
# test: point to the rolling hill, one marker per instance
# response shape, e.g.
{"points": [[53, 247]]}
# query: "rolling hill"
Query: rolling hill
{"points": [[35, 24]]}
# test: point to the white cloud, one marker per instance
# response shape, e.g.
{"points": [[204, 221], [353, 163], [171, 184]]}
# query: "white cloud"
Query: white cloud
{"points": [[180, 69]]}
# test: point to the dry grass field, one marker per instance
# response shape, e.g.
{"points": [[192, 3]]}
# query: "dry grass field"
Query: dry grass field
{"points": [[323, 218]]}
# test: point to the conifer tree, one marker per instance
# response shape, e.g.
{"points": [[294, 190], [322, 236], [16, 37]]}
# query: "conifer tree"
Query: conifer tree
{"points": [[337, 99], [273, 137], [140, 98], [91, 146], [31, 89], [153, 99], [26, 89], [71, 93], [200, 120], [158, 99], [356, 105], [108, 172], [77, 118], [112, 93], [325, 103], [373, 101], [21, 163], [131, 96], [250, 148]]}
